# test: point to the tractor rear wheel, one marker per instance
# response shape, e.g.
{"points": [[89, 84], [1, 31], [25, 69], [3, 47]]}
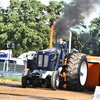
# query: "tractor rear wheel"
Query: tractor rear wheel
{"points": [[25, 81], [55, 80], [77, 72]]}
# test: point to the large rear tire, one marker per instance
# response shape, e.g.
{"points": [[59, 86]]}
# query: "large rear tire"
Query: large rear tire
{"points": [[55, 80], [25, 81], [77, 72]]}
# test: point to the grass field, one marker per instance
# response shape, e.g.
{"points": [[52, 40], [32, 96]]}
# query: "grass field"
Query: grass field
{"points": [[10, 78]]}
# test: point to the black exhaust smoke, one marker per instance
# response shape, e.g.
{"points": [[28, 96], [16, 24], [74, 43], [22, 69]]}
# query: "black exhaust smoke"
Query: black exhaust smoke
{"points": [[71, 16], [87, 6]]}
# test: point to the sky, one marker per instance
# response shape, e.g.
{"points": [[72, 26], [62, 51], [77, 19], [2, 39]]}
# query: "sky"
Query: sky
{"points": [[95, 13]]}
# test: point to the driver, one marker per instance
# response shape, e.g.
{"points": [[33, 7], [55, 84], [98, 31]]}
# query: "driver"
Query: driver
{"points": [[62, 45]]}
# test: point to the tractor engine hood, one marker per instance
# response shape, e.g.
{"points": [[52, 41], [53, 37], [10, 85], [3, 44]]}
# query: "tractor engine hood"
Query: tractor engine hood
{"points": [[45, 57]]}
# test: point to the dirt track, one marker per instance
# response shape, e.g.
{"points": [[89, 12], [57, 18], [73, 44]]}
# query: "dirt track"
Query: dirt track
{"points": [[16, 92]]}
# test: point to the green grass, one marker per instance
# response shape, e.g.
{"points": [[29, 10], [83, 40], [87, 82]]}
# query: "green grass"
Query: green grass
{"points": [[10, 78]]}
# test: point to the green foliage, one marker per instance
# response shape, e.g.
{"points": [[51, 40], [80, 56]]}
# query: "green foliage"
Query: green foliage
{"points": [[95, 33], [85, 43], [54, 10]]}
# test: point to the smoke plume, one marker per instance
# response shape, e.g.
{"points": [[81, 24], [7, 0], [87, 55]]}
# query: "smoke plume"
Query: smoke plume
{"points": [[87, 5], [75, 11], [71, 16]]}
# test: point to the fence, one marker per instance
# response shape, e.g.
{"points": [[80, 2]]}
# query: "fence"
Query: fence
{"points": [[10, 65]]}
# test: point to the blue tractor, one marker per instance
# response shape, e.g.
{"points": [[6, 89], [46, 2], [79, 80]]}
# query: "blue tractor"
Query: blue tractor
{"points": [[46, 69]]}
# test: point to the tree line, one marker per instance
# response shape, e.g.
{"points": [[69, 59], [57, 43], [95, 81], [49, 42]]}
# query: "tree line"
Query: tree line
{"points": [[27, 23]]}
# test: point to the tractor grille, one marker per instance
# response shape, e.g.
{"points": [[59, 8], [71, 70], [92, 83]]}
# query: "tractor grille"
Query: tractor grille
{"points": [[40, 60], [46, 59], [43, 60]]}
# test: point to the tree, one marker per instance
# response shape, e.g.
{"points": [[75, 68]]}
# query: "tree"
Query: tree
{"points": [[54, 11], [23, 23], [3, 28], [83, 42], [95, 33], [77, 41]]}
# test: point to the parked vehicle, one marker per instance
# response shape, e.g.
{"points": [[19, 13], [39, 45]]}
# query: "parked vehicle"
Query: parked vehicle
{"points": [[21, 60]]}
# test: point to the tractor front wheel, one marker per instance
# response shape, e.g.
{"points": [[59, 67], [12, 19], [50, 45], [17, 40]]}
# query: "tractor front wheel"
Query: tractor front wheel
{"points": [[25, 81], [55, 80]]}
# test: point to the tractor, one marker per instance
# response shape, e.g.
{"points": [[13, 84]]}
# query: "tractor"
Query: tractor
{"points": [[45, 69]]}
